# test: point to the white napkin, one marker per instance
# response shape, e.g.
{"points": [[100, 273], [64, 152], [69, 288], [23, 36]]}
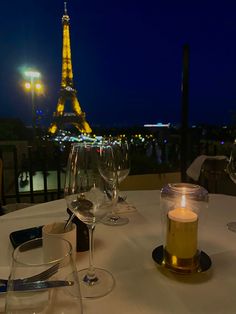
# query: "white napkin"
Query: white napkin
{"points": [[37, 300], [2, 302], [23, 300], [194, 169]]}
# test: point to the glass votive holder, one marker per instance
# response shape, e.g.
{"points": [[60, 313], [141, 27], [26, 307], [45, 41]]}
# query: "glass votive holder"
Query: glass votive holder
{"points": [[181, 204]]}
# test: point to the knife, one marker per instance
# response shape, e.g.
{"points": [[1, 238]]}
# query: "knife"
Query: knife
{"points": [[37, 285]]}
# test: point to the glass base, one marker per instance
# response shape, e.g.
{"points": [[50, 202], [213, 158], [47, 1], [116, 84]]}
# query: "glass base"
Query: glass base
{"points": [[99, 286], [114, 220], [232, 226]]}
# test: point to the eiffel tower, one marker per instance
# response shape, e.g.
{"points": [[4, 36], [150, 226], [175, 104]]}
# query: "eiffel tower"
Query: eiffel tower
{"points": [[67, 91]]}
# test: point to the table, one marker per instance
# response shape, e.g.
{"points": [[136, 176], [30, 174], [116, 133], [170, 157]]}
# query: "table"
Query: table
{"points": [[126, 251]]}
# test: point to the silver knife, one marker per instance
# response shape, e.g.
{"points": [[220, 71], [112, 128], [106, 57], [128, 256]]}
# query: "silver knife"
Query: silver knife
{"points": [[37, 285]]}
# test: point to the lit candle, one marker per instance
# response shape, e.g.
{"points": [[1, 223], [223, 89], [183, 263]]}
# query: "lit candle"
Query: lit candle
{"points": [[181, 238]]}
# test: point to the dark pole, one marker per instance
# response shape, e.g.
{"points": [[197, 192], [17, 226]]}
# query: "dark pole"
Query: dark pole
{"points": [[33, 107], [184, 116]]}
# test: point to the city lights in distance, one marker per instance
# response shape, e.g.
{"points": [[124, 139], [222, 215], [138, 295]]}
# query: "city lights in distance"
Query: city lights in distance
{"points": [[158, 125]]}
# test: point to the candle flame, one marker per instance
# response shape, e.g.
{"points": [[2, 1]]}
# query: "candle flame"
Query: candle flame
{"points": [[183, 201]]}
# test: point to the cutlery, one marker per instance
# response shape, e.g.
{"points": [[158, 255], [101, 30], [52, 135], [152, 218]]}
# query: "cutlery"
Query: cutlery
{"points": [[69, 220], [41, 276], [120, 199], [37, 285]]}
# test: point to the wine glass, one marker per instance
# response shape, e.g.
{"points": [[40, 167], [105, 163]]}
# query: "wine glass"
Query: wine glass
{"points": [[42, 283], [86, 198], [231, 170], [114, 167]]}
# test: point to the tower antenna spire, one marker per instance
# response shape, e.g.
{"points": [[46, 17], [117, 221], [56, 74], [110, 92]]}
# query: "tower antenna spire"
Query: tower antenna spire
{"points": [[65, 8]]}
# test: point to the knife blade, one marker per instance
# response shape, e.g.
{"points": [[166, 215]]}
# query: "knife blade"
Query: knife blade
{"points": [[37, 285]]}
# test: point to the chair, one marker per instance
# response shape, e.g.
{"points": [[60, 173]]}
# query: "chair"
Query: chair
{"points": [[212, 172], [4, 209], [215, 178]]}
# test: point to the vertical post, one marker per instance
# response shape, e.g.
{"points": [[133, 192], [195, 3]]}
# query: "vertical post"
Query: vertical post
{"points": [[31, 174], [33, 76], [58, 158], [184, 116], [45, 173], [32, 105], [16, 174], [2, 192]]}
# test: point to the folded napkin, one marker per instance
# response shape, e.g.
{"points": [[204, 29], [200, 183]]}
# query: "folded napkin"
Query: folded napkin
{"points": [[194, 169]]}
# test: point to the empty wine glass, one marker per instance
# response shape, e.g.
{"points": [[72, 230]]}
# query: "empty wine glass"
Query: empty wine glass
{"points": [[231, 170], [86, 198], [114, 167]]}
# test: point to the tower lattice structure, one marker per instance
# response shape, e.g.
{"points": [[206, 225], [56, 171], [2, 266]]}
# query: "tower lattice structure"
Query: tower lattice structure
{"points": [[67, 91]]}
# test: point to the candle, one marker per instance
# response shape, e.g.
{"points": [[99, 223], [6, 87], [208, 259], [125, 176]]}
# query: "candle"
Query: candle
{"points": [[181, 204], [181, 238]]}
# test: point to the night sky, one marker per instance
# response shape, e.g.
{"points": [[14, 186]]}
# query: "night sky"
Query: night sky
{"points": [[127, 58]]}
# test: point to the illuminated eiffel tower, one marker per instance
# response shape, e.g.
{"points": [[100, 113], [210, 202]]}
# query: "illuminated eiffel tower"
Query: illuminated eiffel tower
{"points": [[67, 91]]}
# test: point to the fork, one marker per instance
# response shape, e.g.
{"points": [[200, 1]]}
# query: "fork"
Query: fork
{"points": [[39, 277], [120, 199], [36, 285]]}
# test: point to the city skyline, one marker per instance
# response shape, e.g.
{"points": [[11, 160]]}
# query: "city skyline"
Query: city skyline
{"points": [[127, 59]]}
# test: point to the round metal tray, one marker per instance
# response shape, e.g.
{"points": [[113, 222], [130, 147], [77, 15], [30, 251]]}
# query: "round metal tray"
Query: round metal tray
{"points": [[204, 263]]}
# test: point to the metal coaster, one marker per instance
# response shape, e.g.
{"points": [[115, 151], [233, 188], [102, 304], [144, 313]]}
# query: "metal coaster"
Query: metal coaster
{"points": [[158, 255]]}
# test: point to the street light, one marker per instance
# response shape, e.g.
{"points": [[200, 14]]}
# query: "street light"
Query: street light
{"points": [[33, 85]]}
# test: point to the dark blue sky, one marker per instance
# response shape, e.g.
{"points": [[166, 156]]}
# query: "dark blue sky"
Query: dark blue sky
{"points": [[127, 58]]}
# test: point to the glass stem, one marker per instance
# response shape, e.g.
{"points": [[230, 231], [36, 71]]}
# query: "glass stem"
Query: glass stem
{"points": [[115, 193], [91, 271]]}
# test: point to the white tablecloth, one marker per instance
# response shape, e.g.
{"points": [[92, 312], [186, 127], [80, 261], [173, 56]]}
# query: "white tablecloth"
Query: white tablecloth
{"points": [[126, 251]]}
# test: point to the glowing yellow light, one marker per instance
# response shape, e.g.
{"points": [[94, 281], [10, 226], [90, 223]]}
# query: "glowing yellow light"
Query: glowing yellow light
{"points": [[27, 85], [38, 86], [174, 260], [53, 128], [183, 201], [67, 84]]}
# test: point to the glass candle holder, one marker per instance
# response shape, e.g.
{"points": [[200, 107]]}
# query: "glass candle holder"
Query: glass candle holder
{"points": [[181, 204]]}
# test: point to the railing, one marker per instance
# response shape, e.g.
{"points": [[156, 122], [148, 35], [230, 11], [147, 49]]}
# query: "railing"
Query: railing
{"points": [[22, 172], [46, 162]]}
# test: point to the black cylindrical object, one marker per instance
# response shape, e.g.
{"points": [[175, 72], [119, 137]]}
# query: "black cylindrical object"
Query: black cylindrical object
{"points": [[82, 233]]}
